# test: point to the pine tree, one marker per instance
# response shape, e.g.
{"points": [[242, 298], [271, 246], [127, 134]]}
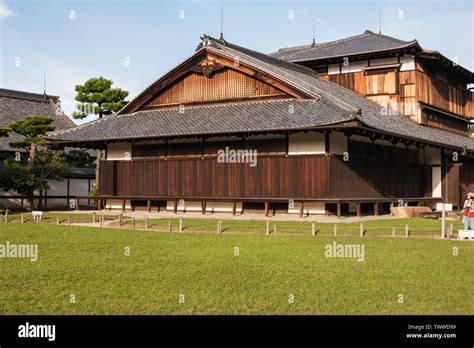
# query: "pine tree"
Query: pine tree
{"points": [[99, 98]]}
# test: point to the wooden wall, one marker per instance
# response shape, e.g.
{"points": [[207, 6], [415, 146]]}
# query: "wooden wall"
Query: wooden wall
{"points": [[225, 84], [277, 177]]}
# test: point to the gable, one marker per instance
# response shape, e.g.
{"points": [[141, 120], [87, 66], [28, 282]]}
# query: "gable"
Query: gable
{"points": [[217, 84], [207, 77]]}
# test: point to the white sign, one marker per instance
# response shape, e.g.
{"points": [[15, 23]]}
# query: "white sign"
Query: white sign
{"points": [[37, 213], [447, 206]]}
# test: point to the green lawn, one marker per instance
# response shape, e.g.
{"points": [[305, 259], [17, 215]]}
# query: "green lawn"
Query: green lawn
{"points": [[90, 263]]}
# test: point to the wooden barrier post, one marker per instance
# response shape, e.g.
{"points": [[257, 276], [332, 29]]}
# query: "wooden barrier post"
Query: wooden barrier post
{"points": [[393, 231], [120, 220], [220, 226], [274, 228], [102, 221], [335, 230], [22, 218], [146, 222], [313, 229], [93, 217], [180, 225], [267, 232], [361, 233], [6, 215], [407, 231], [133, 223], [170, 226], [57, 220]]}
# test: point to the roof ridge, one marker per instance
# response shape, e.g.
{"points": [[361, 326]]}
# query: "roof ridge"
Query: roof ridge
{"points": [[40, 97]]}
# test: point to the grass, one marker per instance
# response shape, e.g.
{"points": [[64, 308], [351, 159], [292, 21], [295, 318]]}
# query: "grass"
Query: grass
{"points": [[90, 263]]}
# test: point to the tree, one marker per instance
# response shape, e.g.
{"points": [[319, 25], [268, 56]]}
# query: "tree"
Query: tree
{"points": [[32, 128], [49, 165], [99, 98], [15, 176]]}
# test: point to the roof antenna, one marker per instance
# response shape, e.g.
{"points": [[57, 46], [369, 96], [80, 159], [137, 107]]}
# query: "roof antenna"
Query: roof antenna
{"points": [[222, 21], [314, 32], [44, 83], [380, 22]]}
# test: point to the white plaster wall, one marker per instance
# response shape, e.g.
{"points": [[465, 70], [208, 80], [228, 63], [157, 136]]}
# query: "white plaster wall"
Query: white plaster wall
{"points": [[117, 204], [354, 66], [408, 63], [10, 202], [383, 61], [306, 143], [337, 143], [309, 208], [119, 151], [333, 69], [436, 181], [211, 207]]}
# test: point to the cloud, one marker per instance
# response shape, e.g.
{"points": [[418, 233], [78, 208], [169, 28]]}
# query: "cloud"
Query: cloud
{"points": [[5, 11]]}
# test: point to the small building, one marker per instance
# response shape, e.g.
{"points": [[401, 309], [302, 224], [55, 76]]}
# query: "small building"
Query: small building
{"points": [[16, 105], [327, 140]]}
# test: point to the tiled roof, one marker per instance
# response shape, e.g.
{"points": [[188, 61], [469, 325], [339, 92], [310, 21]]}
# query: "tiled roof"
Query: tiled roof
{"points": [[16, 105], [330, 104], [367, 42]]}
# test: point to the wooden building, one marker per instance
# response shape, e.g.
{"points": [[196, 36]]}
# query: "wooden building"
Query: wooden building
{"points": [[327, 140], [16, 105]]}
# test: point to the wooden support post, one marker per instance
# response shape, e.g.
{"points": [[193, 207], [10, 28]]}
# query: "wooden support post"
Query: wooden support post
{"points": [[407, 231], [358, 209], [267, 232], [338, 208], [203, 207], [102, 221], [170, 226], [313, 229], [301, 209], [22, 218], [361, 233], [180, 225], [21, 203], [148, 205], [376, 209], [234, 208], [123, 204], [393, 231], [267, 208], [335, 230], [175, 207]]}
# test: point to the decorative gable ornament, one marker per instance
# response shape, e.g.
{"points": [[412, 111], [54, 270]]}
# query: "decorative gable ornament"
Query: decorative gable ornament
{"points": [[207, 68]]}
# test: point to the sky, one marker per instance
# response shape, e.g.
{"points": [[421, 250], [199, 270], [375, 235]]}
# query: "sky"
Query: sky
{"points": [[134, 42]]}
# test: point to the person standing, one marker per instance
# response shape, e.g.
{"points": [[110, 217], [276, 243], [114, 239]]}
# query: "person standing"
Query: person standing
{"points": [[468, 208]]}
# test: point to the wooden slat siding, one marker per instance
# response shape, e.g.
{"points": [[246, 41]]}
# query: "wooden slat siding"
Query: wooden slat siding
{"points": [[354, 81], [375, 179], [443, 94], [206, 177], [437, 120], [226, 84], [451, 184], [106, 181], [407, 93]]}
